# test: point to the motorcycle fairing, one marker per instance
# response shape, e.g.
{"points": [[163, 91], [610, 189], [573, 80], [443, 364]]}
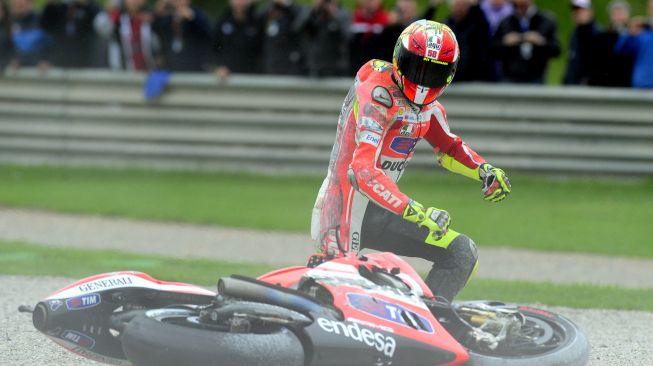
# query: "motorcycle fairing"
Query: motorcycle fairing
{"points": [[77, 317], [285, 277], [290, 277], [400, 314], [356, 342], [116, 280]]}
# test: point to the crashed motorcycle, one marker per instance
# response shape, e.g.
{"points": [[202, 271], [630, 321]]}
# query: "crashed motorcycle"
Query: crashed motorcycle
{"points": [[371, 309]]}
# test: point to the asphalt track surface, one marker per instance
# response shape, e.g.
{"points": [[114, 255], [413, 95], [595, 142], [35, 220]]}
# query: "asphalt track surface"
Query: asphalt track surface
{"points": [[617, 337]]}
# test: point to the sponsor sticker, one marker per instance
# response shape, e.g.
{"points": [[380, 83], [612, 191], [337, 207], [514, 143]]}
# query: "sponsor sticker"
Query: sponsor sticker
{"points": [[403, 102], [106, 284], [356, 241], [55, 304], [382, 96], [369, 137], [407, 130], [83, 302], [393, 166], [434, 44], [391, 312], [384, 193], [353, 331], [371, 125], [403, 145], [78, 338]]}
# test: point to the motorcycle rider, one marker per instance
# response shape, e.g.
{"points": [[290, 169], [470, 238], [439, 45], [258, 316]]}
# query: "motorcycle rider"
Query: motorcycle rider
{"points": [[388, 110]]}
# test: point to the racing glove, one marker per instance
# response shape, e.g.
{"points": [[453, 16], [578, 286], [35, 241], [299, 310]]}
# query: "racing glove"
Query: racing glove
{"points": [[437, 221], [494, 182]]}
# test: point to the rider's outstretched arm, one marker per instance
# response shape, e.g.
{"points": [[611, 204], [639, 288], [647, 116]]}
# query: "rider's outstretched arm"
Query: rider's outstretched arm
{"points": [[452, 152], [454, 155]]}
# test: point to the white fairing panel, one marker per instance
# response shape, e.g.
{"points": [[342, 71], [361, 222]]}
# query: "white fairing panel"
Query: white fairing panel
{"points": [[115, 280]]}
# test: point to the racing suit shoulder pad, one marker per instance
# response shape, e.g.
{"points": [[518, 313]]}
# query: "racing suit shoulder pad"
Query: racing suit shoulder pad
{"points": [[375, 84], [372, 73]]}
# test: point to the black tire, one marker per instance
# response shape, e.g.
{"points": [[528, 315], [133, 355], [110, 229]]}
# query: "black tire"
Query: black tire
{"points": [[572, 349], [148, 341]]}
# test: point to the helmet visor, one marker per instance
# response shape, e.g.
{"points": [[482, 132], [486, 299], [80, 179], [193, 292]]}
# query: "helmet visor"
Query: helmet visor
{"points": [[424, 71]]}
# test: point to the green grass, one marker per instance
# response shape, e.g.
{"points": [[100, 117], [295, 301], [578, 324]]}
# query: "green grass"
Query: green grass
{"points": [[608, 217], [24, 259], [32, 260], [570, 295]]}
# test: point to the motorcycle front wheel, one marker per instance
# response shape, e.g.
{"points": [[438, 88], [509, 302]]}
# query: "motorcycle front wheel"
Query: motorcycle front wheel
{"points": [[173, 336], [545, 339]]}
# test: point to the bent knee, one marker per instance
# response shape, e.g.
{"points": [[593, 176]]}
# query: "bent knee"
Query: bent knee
{"points": [[463, 251]]}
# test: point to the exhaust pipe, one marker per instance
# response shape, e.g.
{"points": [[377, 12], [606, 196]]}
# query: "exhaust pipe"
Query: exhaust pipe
{"points": [[258, 291], [40, 317]]}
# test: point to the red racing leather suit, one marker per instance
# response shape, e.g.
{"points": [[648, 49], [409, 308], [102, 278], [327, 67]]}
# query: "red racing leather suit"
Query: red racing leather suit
{"points": [[377, 132]]}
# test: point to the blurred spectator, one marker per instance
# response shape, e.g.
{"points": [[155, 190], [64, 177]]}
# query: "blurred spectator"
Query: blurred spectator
{"points": [[132, 43], [104, 25], [238, 40], [185, 34], [619, 15], [608, 67], [580, 64], [31, 44], [473, 33], [404, 13], [368, 22], [639, 43], [327, 31], [6, 44], [525, 41], [283, 55], [70, 25], [495, 11]]}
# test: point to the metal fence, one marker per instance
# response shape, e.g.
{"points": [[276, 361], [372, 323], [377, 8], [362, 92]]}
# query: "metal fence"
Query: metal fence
{"points": [[276, 124]]}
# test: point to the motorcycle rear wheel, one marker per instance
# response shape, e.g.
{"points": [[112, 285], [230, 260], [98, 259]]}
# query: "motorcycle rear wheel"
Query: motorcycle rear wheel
{"points": [[167, 339], [561, 343]]}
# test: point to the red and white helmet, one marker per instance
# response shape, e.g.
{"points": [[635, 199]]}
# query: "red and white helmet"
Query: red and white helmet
{"points": [[425, 59]]}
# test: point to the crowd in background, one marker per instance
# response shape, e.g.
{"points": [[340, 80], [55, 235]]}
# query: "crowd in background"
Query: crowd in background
{"points": [[500, 40]]}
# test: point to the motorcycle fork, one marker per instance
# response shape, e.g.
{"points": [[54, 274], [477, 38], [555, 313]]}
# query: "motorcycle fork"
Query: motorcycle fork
{"points": [[450, 320]]}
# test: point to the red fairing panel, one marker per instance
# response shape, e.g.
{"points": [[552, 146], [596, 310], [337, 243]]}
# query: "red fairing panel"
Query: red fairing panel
{"points": [[381, 307], [406, 272], [373, 306], [286, 277]]}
